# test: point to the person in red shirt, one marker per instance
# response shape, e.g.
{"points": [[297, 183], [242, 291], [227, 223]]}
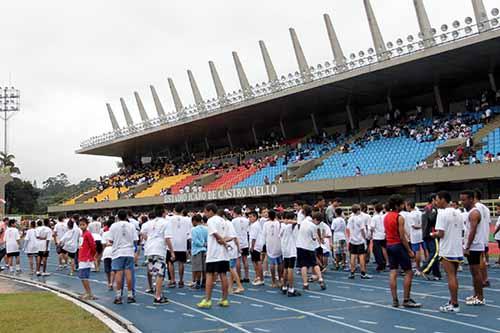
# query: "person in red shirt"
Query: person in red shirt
{"points": [[86, 254], [398, 251]]}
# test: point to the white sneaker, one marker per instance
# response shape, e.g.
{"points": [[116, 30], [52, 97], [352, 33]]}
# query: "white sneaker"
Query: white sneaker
{"points": [[45, 274], [460, 268], [258, 283], [449, 308], [475, 301]]}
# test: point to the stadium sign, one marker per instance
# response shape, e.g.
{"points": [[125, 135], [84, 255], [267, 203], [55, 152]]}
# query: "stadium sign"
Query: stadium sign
{"points": [[234, 193]]}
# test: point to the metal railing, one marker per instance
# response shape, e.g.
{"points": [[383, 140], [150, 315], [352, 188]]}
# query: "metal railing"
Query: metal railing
{"points": [[318, 73]]}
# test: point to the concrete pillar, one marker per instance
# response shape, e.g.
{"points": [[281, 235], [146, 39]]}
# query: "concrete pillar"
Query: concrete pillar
{"points": [[158, 106], [315, 126], [140, 106], [254, 135], [126, 113], [186, 145], [112, 117], [271, 72], [493, 83], [338, 54], [200, 104], [378, 40], [299, 54], [389, 103], [245, 85], [206, 143], [282, 126], [179, 108], [219, 88], [424, 23], [349, 116], [481, 15], [438, 98], [229, 140]]}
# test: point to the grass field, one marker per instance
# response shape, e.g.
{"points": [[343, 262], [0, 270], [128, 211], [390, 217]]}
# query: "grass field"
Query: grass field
{"points": [[44, 312]]}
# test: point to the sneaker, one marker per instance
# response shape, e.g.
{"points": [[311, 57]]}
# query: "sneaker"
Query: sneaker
{"points": [[258, 283], [351, 276], [196, 286], [45, 274], [117, 301], [293, 293], [267, 274], [305, 287], [204, 304], [395, 303], [130, 300], [149, 291], [284, 290], [460, 268], [38, 274], [238, 290], [223, 303], [475, 301], [436, 278], [469, 298], [322, 285], [449, 308], [181, 284], [411, 304], [366, 276], [172, 285], [162, 300]]}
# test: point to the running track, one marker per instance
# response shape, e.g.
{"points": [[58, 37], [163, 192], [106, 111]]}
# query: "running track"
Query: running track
{"points": [[346, 306]]}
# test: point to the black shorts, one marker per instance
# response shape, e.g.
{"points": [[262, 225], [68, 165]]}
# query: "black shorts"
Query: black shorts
{"points": [[486, 249], [357, 249], [289, 263], [179, 256], [264, 249], [71, 255], [305, 258], [13, 254], [98, 247], [474, 257], [319, 251], [107, 265], [255, 256], [43, 254], [62, 251], [218, 267], [245, 252], [32, 254], [398, 257]]}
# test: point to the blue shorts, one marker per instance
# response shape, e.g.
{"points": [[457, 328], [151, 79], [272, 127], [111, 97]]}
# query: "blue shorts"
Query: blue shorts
{"points": [[457, 260], [398, 257], [326, 254], [122, 263], [415, 247], [275, 261], [232, 263], [84, 273]]}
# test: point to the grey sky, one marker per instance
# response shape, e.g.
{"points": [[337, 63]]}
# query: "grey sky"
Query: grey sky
{"points": [[71, 57]]}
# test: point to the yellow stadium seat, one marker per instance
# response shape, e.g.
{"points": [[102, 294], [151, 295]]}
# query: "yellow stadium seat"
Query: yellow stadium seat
{"points": [[165, 182]]}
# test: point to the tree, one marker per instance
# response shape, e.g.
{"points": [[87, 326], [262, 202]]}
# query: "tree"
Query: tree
{"points": [[21, 197], [7, 162]]}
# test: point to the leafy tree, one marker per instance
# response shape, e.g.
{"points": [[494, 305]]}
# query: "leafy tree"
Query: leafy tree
{"points": [[21, 197], [7, 162]]}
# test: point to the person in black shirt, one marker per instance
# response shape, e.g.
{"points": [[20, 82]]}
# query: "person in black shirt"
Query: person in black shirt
{"points": [[431, 244]]}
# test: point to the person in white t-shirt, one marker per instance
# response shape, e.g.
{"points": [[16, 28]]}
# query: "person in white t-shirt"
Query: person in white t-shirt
{"points": [[473, 246], [486, 221], [59, 230], [242, 227], [339, 239], [233, 241], [449, 227], [256, 245], [107, 252], [95, 228], [496, 233], [366, 221], [137, 226], [31, 246], [217, 257], [326, 244], [12, 244], [178, 232], [379, 243], [272, 242], [413, 220], [123, 236], [357, 241], [69, 244], [44, 235], [154, 233], [307, 243], [288, 237], [265, 262]]}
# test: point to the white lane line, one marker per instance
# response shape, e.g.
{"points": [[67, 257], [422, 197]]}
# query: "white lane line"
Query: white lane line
{"points": [[338, 300], [209, 319], [168, 310], [188, 315], [182, 294], [151, 307], [256, 305], [336, 317], [261, 330], [311, 296], [198, 296], [410, 312], [404, 328], [344, 287], [271, 291], [365, 289], [467, 315], [429, 310], [368, 322], [280, 309], [310, 314], [136, 304], [252, 289]]}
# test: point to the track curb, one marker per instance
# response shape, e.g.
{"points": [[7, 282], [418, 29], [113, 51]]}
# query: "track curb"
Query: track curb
{"points": [[122, 322]]}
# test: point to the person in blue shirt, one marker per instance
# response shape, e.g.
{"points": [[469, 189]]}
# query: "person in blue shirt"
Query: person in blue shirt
{"points": [[199, 239]]}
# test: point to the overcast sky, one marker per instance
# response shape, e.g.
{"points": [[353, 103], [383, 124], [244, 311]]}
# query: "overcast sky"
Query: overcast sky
{"points": [[69, 58]]}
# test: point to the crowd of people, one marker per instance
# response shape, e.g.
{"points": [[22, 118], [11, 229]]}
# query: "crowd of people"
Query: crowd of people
{"points": [[276, 241]]}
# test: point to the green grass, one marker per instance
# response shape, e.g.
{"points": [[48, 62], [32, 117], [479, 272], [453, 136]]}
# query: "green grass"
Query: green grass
{"points": [[44, 312]]}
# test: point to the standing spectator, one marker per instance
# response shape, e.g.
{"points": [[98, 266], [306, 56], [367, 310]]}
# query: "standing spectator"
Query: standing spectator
{"points": [[86, 254]]}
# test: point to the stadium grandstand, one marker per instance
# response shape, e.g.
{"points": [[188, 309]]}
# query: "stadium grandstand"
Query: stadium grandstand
{"points": [[402, 116]]}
